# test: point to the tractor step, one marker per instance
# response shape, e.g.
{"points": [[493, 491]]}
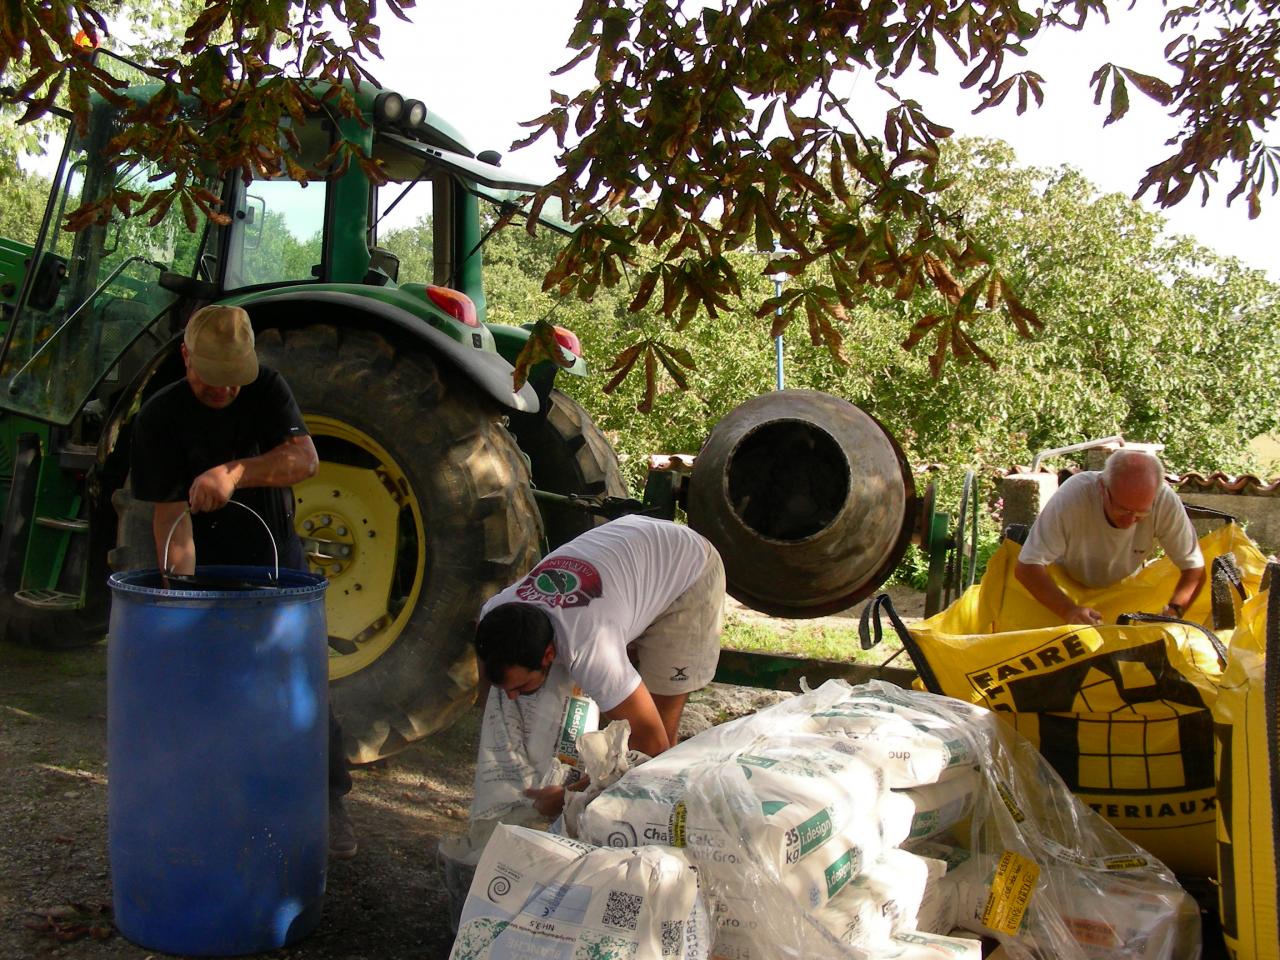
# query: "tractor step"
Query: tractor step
{"points": [[47, 599], [69, 524], [78, 456]]}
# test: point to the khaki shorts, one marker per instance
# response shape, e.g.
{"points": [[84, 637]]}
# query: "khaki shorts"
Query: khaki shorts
{"points": [[679, 651]]}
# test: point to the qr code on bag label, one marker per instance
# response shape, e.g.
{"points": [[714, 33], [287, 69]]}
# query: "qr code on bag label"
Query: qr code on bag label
{"points": [[672, 937], [622, 910]]}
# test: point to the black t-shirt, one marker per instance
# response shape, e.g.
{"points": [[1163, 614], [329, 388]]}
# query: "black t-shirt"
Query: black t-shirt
{"points": [[176, 438]]}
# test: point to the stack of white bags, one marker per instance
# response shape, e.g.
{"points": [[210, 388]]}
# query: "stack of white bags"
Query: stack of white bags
{"points": [[848, 822]]}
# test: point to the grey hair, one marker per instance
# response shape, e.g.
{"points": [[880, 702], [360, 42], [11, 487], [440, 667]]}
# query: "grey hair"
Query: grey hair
{"points": [[1130, 462]]}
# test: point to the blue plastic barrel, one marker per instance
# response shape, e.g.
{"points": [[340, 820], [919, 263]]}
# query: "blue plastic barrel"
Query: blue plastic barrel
{"points": [[217, 739]]}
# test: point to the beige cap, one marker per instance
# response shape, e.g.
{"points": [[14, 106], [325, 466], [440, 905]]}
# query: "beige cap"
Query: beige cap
{"points": [[220, 346]]}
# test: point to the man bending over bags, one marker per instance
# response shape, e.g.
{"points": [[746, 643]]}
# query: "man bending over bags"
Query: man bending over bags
{"points": [[1100, 527], [635, 587]]}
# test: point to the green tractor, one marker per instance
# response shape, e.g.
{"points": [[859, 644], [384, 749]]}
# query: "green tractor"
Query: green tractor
{"points": [[439, 483], [423, 503]]}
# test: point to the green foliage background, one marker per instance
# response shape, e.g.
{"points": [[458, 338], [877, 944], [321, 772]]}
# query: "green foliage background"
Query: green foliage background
{"points": [[1154, 338], [1159, 340]]}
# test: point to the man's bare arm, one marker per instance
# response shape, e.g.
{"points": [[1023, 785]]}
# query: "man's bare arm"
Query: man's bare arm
{"points": [[182, 548], [1040, 585], [282, 466], [648, 735], [1184, 592]]}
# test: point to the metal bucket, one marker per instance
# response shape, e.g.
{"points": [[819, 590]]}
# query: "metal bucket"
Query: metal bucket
{"points": [[217, 744]]}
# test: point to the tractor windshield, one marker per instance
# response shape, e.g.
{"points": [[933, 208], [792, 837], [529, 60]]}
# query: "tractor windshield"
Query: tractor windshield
{"points": [[90, 294]]}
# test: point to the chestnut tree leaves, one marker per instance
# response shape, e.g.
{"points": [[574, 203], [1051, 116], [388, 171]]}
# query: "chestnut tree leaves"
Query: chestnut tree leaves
{"points": [[711, 129]]}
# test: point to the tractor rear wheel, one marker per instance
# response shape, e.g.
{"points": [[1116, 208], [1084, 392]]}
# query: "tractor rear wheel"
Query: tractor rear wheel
{"points": [[420, 511], [569, 454]]}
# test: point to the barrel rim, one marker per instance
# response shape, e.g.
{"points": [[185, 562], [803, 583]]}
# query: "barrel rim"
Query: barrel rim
{"points": [[313, 584]]}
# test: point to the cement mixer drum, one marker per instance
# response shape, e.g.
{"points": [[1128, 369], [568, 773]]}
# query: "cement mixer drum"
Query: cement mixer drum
{"points": [[808, 499]]}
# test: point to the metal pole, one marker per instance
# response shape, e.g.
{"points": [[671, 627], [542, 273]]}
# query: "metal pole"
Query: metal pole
{"points": [[777, 341]]}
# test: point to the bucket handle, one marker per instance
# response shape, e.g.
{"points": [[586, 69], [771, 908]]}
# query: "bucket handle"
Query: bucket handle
{"points": [[275, 552]]}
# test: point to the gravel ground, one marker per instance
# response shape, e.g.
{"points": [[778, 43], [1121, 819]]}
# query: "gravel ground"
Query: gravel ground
{"points": [[389, 903]]}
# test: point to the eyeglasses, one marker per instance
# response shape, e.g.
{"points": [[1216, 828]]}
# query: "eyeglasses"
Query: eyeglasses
{"points": [[1122, 511]]}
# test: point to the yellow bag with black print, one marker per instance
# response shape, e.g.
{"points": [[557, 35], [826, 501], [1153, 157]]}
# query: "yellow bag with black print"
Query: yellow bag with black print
{"points": [[1247, 726], [1121, 711]]}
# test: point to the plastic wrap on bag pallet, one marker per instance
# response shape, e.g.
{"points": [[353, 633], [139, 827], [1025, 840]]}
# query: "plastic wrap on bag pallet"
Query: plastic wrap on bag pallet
{"points": [[941, 904], [912, 748], [905, 945], [1109, 916], [1247, 740], [813, 813], [1054, 852], [1122, 712], [538, 895], [521, 740]]}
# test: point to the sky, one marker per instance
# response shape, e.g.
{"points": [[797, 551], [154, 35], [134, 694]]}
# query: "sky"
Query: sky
{"points": [[485, 66]]}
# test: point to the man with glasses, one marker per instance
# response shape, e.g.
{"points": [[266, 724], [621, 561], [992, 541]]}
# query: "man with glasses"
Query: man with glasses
{"points": [[1102, 526]]}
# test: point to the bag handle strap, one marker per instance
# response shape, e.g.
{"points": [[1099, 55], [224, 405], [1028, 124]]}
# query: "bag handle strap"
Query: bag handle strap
{"points": [[1226, 591], [1127, 618], [870, 633]]}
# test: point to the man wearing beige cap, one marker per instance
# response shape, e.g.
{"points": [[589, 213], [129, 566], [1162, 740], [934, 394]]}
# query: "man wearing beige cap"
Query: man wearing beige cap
{"points": [[229, 430]]}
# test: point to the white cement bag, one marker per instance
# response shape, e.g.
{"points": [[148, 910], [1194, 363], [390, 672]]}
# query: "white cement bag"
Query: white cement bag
{"points": [[909, 753], [882, 900], [941, 905], [906, 945], [835, 865], [535, 895], [521, 740], [935, 807], [785, 801], [917, 945], [604, 759]]}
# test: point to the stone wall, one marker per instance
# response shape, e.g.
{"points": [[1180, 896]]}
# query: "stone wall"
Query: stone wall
{"points": [[1260, 516]]}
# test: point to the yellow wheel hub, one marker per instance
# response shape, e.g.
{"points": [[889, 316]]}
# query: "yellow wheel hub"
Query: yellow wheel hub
{"points": [[360, 526]]}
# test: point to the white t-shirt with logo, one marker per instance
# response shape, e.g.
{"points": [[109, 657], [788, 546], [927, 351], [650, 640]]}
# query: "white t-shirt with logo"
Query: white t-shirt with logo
{"points": [[603, 589], [1072, 531]]}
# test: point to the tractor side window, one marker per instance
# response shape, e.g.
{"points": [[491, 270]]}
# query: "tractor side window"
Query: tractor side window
{"points": [[277, 231], [281, 233], [412, 216]]}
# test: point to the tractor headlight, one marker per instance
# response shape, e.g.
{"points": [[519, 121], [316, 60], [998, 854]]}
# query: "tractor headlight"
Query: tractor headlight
{"points": [[415, 112], [388, 107]]}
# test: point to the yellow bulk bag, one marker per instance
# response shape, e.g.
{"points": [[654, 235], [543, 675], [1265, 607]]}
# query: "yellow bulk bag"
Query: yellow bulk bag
{"points": [[1247, 717], [1121, 712]]}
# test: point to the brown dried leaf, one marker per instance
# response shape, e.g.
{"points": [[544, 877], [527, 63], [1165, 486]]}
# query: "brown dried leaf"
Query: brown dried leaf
{"points": [[623, 363], [650, 381]]}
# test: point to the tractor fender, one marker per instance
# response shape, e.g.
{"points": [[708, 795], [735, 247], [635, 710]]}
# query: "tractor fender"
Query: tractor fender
{"points": [[489, 371]]}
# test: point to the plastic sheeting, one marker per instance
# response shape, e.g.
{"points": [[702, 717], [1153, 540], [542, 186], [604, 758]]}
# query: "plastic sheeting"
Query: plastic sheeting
{"points": [[800, 840]]}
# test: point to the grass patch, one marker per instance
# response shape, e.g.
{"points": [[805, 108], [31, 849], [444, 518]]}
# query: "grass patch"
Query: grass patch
{"points": [[821, 641]]}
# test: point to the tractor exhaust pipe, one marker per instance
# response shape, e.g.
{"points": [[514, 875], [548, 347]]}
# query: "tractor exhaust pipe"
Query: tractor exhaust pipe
{"points": [[808, 499]]}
